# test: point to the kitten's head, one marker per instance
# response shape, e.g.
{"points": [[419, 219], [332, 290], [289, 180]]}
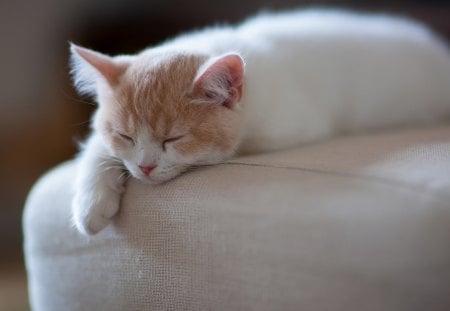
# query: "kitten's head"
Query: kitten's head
{"points": [[162, 112]]}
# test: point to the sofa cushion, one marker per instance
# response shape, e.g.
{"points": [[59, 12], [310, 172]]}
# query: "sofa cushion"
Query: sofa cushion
{"points": [[354, 223]]}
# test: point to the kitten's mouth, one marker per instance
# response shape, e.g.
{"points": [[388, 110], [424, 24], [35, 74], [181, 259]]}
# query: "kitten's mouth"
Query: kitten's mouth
{"points": [[157, 177], [148, 179]]}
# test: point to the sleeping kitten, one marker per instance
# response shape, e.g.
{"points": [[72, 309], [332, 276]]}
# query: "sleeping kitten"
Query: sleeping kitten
{"points": [[272, 82]]}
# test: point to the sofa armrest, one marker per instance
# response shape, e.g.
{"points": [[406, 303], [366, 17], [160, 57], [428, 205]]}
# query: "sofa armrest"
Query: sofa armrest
{"points": [[348, 224]]}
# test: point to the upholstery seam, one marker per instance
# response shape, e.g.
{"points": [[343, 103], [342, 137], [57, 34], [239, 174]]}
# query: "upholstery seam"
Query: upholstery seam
{"points": [[369, 178]]}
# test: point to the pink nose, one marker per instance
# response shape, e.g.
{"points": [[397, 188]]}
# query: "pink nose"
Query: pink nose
{"points": [[147, 169]]}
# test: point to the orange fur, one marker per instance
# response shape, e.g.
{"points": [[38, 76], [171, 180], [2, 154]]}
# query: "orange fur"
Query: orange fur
{"points": [[156, 93]]}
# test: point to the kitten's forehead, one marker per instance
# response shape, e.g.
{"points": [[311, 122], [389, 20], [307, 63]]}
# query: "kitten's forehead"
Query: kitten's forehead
{"points": [[153, 89], [155, 80], [162, 73]]}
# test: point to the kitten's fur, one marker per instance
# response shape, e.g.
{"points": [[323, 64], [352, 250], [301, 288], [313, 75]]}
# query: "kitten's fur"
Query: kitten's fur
{"points": [[308, 75]]}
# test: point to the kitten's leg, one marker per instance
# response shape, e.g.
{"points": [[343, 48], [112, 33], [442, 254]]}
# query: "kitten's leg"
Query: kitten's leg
{"points": [[99, 185]]}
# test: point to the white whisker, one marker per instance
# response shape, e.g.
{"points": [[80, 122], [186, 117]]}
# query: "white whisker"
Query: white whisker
{"points": [[123, 176]]}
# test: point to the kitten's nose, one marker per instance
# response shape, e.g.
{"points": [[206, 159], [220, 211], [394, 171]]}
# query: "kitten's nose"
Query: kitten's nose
{"points": [[147, 169]]}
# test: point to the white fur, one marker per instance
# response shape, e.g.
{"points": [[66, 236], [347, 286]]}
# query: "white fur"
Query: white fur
{"points": [[98, 187], [309, 75], [84, 76], [314, 73]]}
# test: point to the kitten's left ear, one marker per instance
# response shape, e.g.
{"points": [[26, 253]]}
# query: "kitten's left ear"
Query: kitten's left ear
{"points": [[88, 67], [220, 81]]}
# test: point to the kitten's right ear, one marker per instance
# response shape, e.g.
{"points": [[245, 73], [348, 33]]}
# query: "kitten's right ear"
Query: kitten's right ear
{"points": [[88, 67], [220, 81]]}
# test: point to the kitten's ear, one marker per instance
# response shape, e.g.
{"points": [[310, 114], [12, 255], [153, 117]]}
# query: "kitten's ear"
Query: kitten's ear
{"points": [[220, 81], [88, 66]]}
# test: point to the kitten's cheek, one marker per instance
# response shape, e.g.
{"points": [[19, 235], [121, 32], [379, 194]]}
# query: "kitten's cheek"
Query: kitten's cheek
{"points": [[133, 171], [186, 148], [113, 146]]}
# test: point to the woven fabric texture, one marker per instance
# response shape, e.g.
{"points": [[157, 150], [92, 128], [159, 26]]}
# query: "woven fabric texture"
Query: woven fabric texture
{"points": [[354, 223]]}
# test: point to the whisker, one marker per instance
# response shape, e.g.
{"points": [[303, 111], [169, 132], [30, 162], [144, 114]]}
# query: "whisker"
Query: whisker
{"points": [[108, 169], [80, 123], [75, 99], [124, 176]]}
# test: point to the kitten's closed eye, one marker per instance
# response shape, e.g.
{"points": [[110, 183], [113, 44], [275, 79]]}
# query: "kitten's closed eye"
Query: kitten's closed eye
{"points": [[170, 140], [127, 138]]}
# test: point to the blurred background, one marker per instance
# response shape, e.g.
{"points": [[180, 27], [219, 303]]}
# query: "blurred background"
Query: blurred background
{"points": [[41, 116]]}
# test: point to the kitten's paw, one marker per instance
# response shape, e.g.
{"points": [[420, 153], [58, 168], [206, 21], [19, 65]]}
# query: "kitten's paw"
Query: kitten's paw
{"points": [[92, 213]]}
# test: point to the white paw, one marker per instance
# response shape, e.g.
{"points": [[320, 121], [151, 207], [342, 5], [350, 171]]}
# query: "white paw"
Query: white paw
{"points": [[92, 211]]}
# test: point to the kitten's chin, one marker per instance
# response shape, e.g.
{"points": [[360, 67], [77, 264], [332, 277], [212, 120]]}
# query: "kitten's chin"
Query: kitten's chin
{"points": [[151, 180], [156, 179], [159, 175]]}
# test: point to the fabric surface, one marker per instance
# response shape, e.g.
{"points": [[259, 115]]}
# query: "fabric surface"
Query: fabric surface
{"points": [[355, 223]]}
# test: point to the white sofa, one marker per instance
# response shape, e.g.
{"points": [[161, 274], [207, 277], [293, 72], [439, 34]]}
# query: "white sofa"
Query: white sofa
{"points": [[354, 223]]}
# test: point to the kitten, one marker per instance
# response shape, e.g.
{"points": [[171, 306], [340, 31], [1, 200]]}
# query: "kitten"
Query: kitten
{"points": [[272, 82]]}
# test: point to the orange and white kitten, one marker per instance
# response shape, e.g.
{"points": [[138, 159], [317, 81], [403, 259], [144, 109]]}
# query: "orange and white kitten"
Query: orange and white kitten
{"points": [[272, 82]]}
